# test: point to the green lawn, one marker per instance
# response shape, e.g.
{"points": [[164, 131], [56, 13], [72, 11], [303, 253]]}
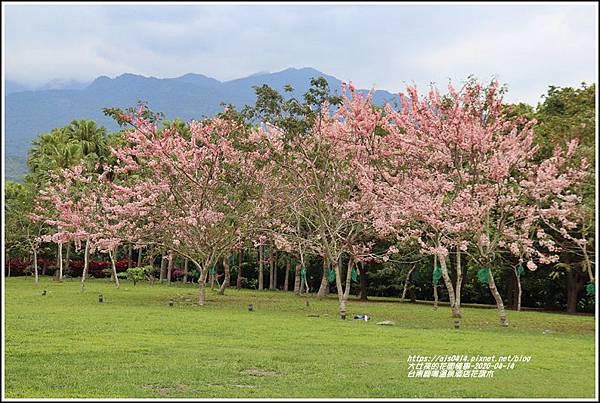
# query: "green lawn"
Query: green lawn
{"points": [[66, 344]]}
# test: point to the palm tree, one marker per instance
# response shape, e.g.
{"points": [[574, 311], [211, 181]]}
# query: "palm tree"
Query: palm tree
{"points": [[52, 152], [67, 146], [90, 137]]}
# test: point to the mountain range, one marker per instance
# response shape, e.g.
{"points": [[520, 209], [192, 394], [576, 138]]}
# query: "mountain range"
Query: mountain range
{"points": [[29, 112]]}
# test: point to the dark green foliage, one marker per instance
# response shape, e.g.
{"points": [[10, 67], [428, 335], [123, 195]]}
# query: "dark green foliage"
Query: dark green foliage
{"points": [[437, 275], [483, 275]]}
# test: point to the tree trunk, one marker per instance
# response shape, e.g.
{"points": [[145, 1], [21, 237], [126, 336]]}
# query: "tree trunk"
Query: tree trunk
{"points": [[406, 283], [60, 262], [68, 257], [275, 263], [459, 277], [324, 287], [297, 278], [340, 292], [435, 293], [519, 291], [139, 258], [211, 276], [130, 256], [227, 277], [163, 268], [238, 282], [111, 254], [288, 265], [271, 269], [85, 263], [348, 279], [448, 283], [498, 298], [587, 263], [260, 267], [185, 271], [304, 283], [363, 282], [413, 296], [35, 267], [202, 285], [343, 293], [170, 267], [574, 286]]}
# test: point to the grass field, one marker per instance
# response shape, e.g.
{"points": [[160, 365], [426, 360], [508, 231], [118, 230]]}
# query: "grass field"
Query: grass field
{"points": [[66, 344]]}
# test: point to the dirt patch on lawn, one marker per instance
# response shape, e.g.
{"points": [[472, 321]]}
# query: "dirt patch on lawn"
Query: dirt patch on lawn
{"points": [[259, 372], [165, 390], [230, 385]]}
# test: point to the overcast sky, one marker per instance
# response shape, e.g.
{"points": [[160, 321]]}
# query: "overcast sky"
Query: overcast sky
{"points": [[527, 47]]}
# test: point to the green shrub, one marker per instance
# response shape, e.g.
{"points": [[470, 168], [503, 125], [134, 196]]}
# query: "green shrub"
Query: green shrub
{"points": [[136, 274]]}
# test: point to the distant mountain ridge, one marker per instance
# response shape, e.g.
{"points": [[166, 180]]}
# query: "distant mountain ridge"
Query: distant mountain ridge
{"points": [[191, 96]]}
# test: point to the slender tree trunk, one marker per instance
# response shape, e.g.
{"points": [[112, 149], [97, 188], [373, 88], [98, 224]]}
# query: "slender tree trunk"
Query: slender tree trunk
{"points": [[185, 271], [163, 267], [139, 258], [459, 277], [238, 281], [202, 285], [60, 262], [363, 282], [111, 254], [211, 277], [297, 278], [435, 293], [227, 277], [498, 298], [519, 291], [260, 266], [271, 269], [68, 257], [348, 279], [35, 267], [304, 286], [302, 282], [402, 298], [130, 256], [85, 263], [448, 283], [324, 279], [288, 265], [170, 267], [8, 260], [275, 263], [413, 295], [343, 293], [588, 265]]}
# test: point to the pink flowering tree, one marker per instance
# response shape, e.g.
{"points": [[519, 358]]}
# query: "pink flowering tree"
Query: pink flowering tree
{"points": [[191, 191], [81, 211], [315, 189], [556, 189], [455, 174]]}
